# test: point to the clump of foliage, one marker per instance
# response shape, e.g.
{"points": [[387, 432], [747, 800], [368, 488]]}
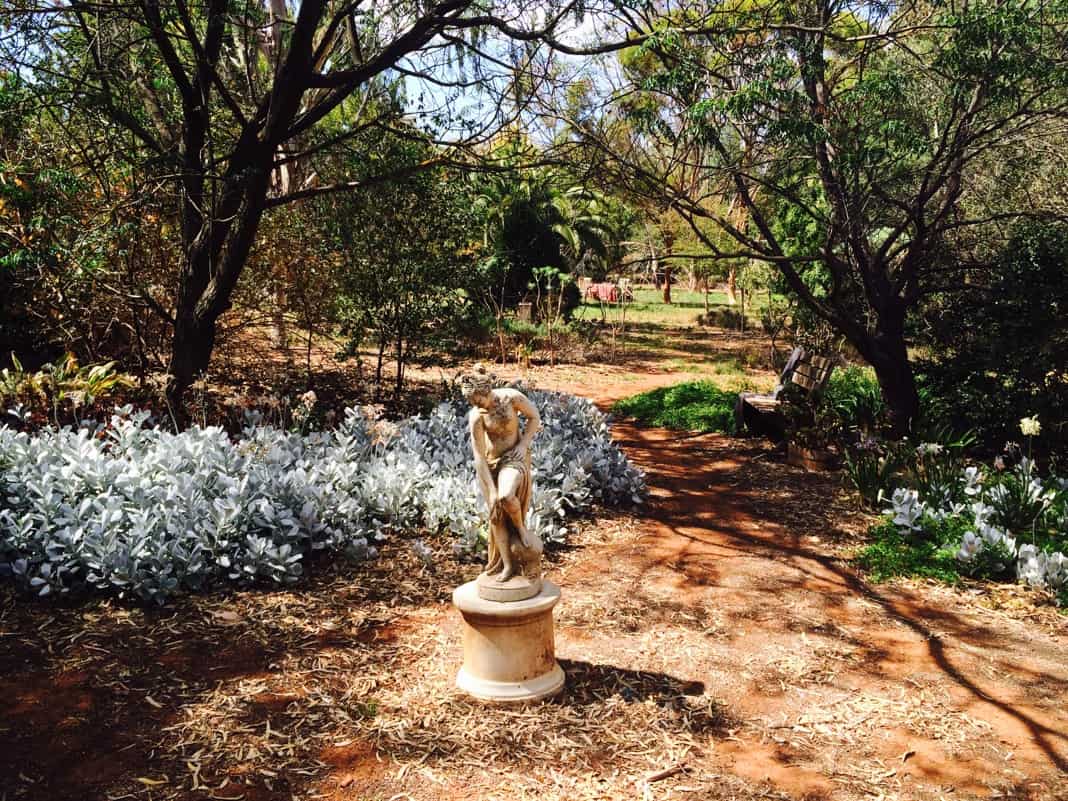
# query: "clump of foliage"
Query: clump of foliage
{"points": [[891, 555], [404, 282], [539, 227], [846, 412], [691, 406], [854, 397], [854, 411], [62, 388], [999, 523], [135, 510], [872, 467], [809, 421], [999, 345]]}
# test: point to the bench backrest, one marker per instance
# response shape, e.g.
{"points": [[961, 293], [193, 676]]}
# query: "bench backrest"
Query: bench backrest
{"points": [[806, 370], [812, 373]]}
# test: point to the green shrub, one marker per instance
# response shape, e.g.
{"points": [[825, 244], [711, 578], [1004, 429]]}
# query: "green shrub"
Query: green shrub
{"points": [[523, 330], [59, 389], [997, 345], [692, 406], [891, 555], [872, 469], [854, 396], [936, 472], [995, 561], [947, 531], [721, 318], [729, 367]]}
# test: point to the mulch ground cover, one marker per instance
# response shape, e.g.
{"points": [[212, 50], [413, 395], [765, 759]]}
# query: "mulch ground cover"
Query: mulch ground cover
{"points": [[718, 644]]}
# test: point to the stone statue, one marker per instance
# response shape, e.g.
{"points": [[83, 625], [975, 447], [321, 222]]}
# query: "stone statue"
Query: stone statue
{"points": [[502, 464]]}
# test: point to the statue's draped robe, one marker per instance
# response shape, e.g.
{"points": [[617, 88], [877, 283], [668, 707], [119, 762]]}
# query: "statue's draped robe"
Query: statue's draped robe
{"points": [[499, 518]]}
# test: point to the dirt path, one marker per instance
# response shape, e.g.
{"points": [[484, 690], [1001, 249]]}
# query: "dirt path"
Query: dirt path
{"points": [[839, 689], [718, 632]]}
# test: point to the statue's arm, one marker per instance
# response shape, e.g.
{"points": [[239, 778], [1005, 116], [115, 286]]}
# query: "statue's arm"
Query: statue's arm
{"points": [[478, 448], [521, 403]]}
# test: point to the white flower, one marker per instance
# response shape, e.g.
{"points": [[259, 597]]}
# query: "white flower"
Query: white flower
{"points": [[994, 536], [1030, 427], [997, 494], [929, 449], [982, 513], [973, 481], [1057, 571], [990, 535], [970, 547], [907, 509], [1031, 566], [956, 509]]}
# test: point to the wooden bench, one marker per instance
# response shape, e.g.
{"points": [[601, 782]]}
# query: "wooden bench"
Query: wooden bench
{"points": [[762, 414]]}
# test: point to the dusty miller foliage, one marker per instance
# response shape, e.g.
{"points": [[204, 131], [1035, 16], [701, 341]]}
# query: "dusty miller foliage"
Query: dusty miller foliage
{"points": [[134, 510]]}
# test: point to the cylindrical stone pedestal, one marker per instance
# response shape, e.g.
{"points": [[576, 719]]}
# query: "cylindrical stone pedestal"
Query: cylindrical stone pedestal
{"points": [[509, 651]]}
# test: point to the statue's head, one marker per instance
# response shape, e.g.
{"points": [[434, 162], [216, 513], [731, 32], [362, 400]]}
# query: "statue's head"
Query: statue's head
{"points": [[477, 386]]}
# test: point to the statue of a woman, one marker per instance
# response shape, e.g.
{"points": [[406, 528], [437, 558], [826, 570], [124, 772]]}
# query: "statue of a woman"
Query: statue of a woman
{"points": [[502, 464]]}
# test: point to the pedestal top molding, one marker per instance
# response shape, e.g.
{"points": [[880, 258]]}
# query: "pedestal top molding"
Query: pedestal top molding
{"points": [[466, 598]]}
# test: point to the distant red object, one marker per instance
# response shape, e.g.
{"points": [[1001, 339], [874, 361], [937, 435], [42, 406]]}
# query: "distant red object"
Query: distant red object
{"points": [[606, 293]]}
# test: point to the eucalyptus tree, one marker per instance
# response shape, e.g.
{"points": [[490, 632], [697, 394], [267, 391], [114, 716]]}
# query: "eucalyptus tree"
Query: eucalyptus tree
{"points": [[859, 145], [227, 105]]}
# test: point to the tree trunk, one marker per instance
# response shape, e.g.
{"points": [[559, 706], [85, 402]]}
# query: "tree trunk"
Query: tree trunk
{"points": [[279, 330], [667, 285], [378, 365], [732, 285], [192, 344], [217, 249], [888, 355]]}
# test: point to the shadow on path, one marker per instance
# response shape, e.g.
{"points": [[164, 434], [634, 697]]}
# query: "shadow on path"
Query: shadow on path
{"points": [[718, 524]]}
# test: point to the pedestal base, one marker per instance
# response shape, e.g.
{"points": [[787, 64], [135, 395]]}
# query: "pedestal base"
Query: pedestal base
{"points": [[509, 649]]}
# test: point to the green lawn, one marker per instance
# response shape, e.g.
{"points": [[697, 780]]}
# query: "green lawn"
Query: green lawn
{"points": [[691, 406], [685, 306]]}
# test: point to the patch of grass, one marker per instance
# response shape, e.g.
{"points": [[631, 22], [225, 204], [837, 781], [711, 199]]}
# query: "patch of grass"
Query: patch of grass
{"points": [[692, 406], [891, 555], [682, 366], [728, 367], [648, 307]]}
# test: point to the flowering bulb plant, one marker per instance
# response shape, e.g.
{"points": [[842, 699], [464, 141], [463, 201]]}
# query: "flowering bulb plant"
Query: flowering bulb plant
{"points": [[1010, 521]]}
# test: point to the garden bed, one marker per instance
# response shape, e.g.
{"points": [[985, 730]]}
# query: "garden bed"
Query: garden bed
{"points": [[135, 510]]}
